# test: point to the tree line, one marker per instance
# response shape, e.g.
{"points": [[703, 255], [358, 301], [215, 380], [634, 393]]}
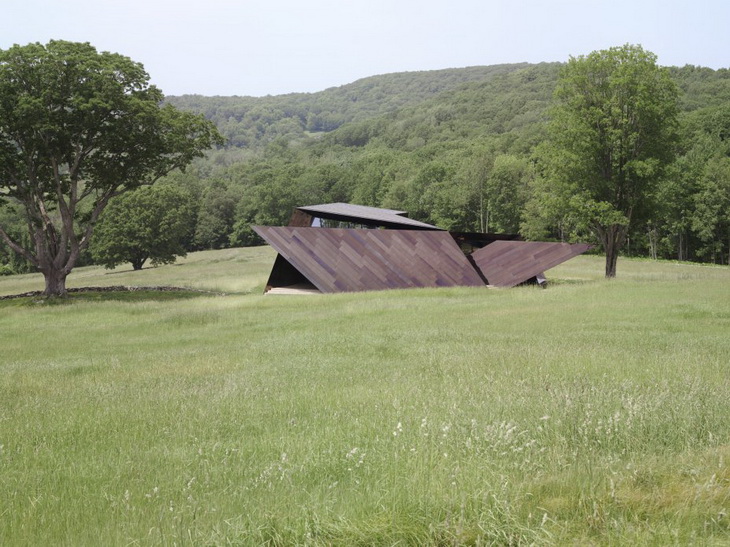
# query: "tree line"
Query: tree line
{"points": [[464, 149], [474, 158]]}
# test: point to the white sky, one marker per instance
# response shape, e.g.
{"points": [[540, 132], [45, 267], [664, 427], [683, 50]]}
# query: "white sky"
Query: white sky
{"points": [[262, 47]]}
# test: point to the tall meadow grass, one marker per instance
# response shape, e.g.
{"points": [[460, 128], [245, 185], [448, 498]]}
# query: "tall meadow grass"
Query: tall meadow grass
{"points": [[593, 412]]}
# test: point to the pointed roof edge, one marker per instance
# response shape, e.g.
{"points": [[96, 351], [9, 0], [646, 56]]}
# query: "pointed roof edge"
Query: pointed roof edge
{"points": [[362, 214]]}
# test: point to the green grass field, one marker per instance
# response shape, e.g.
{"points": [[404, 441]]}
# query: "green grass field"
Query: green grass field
{"points": [[591, 413]]}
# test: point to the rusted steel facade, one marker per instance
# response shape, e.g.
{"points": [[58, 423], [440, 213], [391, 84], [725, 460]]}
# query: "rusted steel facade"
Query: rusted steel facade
{"points": [[509, 263], [348, 260], [405, 254]]}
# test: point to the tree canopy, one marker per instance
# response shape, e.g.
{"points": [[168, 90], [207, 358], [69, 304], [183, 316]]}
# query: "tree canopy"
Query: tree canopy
{"points": [[466, 156], [150, 223], [78, 127], [612, 135], [461, 148]]}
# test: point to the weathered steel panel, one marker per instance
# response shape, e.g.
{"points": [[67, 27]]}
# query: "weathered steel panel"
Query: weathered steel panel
{"points": [[347, 260], [300, 218], [509, 263]]}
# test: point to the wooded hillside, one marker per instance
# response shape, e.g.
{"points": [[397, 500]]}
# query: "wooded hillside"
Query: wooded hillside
{"points": [[459, 148], [253, 122]]}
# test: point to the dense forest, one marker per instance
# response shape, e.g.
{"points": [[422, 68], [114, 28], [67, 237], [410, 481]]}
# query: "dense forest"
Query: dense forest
{"points": [[459, 148]]}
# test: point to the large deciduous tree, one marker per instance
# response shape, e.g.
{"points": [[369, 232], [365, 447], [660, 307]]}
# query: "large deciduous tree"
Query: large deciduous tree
{"points": [[78, 127], [150, 223], [611, 135]]}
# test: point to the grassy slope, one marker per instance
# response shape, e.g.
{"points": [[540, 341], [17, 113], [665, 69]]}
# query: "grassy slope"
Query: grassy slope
{"points": [[593, 411], [228, 271]]}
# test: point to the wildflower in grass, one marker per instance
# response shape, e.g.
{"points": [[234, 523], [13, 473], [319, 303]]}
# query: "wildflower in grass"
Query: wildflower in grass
{"points": [[352, 454], [278, 470], [398, 430], [127, 499]]}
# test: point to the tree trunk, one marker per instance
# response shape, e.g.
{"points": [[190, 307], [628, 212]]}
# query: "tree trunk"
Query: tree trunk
{"points": [[613, 238], [653, 238], [55, 282], [54, 258], [611, 259], [681, 247]]}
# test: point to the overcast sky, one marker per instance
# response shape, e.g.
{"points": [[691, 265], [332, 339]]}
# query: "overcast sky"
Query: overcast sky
{"points": [[270, 47]]}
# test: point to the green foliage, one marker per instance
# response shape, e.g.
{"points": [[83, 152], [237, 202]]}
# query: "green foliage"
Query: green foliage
{"points": [[457, 148], [711, 219], [255, 122], [78, 127], [506, 193], [149, 223], [476, 134], [701, 87], [612, 135], [686, 225], [13, 262], [215, 216]]}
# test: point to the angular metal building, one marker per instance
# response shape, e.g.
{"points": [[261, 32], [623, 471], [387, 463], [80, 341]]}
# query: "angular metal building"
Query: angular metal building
{"points": [[509, 263], [347, 259], [339, 247]]}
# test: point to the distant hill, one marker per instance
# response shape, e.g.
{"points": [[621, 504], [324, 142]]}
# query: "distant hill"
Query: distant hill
{"points": [[256, 121], [508, 102], [457, 148], [454, 147]]}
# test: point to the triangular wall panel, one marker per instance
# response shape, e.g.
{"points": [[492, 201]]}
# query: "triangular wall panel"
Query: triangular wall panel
{"points": [[509, 263], [346, 260]]}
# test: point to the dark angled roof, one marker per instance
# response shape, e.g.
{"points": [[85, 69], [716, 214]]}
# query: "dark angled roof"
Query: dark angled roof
{"points": [[479, 240], [340, 259], [509, 263], [369, 216]]}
